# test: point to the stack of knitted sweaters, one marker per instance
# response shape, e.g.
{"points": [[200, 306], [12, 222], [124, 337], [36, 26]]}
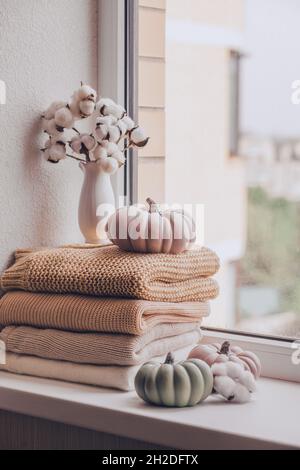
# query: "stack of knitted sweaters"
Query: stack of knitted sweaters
{"points": [[93, 315]]}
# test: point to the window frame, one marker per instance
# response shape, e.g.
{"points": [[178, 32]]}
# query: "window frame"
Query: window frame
{"points": [[118, 75], [118, 78]]}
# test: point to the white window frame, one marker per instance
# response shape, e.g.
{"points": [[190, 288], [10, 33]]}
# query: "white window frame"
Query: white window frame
{"points": [[117, 75], [118, 79]]}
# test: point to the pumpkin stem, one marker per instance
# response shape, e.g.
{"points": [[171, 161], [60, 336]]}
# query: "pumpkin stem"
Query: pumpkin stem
{"points": [[169, 358], [225, 348], [153, 206]]}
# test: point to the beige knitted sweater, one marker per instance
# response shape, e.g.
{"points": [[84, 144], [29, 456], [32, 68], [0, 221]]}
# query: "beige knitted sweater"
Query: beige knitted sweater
{"points": [[85, 313], [100, 348], [108, 271]]}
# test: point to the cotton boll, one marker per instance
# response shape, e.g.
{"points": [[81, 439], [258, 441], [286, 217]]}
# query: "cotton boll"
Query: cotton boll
{"points": [[86, 107], [138, 137], [51, 128], [119, 156], [56, 152], [248, 381], [88, 141], [78, 103], [113, 134], [104, 102], [225, 386], [74, 108], [112, 109], [123, 128], [233, 370], [241, 394], [86, 92], [101, 132], [64, 118], [110, 147], [109, 165], [115, 110], [219, 369], [129, 123], [107, 120], [100, 152], [55, 106], [75, 144]]}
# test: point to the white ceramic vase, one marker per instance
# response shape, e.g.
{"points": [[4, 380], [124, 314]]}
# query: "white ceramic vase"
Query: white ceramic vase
{"points": [[97, 203]]}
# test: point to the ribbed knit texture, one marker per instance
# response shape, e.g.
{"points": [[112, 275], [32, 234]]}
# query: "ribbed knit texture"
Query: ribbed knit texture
{"points": [[105, 314], [108, 271], [100, 348], [119, 377]]}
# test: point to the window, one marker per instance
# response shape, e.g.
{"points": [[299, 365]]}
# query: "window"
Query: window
{"points": [[201, 102]]}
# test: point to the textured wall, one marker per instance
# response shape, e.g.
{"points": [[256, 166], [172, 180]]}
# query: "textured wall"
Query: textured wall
{"points": [[46, 48]]}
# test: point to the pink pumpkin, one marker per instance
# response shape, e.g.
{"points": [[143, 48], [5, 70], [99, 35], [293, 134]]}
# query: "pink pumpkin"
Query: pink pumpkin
{"points": [[216, 353], [151, 231]]}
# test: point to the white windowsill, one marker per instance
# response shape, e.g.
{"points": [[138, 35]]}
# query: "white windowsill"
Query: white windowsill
{"points": [[271, 420]]}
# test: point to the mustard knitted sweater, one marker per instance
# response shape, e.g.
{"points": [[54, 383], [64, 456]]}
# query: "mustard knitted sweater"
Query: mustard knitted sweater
{"points": [[108, 271]]}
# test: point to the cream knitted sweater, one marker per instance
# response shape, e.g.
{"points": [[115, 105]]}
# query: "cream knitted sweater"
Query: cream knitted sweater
{"points": [[100, 348]]}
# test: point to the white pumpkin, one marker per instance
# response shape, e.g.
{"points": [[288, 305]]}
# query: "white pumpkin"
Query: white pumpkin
{"points": [[151, 231]]}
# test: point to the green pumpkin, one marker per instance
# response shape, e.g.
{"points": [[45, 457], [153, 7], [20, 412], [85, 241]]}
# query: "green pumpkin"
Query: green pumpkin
{"points": [[184, 384]]}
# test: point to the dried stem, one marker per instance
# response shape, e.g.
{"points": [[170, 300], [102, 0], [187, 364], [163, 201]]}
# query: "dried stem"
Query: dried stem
{"points": [[75, 158]]}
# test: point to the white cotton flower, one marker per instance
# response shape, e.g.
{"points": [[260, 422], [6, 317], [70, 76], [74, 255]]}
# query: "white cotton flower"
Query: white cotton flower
{"points": [[104, 102], [100, 152], [55, 150], [248, 381], [74, 108], [241, 394], [55, 106], [138, 137], [113, 110], [86, 107], [233, 370], [119, 156], [101, 132], [64, 118], [110, 147], [123, 128], [233, 382], [89, 141], [219, 368], [108, 107], [75, 144], [129, 123], [86, 92], [108, 164], [83, 143], [78, 103], [50, 127], [113, 134], [107, 120], [225, 386]]}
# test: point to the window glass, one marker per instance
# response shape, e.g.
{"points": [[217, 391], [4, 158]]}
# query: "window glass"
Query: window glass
{"points": [[219, 94]]}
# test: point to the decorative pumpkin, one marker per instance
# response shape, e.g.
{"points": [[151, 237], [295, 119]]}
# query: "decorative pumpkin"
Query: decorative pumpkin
{"points": [[215, 353], [184, 384], [151, 231]]}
